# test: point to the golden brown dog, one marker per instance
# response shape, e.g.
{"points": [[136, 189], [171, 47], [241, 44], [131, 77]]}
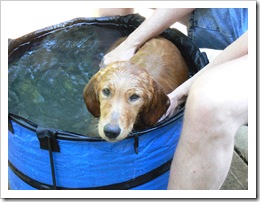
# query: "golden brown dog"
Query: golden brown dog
{"points": [[133, 94]]}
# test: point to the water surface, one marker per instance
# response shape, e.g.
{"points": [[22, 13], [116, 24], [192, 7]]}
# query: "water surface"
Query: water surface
{"points": [[46, 82]]}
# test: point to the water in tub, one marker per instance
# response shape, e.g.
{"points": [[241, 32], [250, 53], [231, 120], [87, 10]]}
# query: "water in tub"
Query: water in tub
{"points": [[46, 82]]}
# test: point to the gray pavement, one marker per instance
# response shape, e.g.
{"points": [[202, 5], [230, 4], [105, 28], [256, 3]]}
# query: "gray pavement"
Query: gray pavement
{"points": [[237, 178]]}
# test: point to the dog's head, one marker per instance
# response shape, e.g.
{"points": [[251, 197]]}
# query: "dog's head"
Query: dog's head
{"points": [[121, 95]]}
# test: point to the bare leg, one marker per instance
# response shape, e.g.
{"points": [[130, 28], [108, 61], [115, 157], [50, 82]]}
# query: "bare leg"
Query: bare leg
{"points": [[115, 11], [216, 107]]}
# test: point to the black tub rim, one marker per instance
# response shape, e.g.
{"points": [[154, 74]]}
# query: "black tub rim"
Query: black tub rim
{"points": [[131, 21], [67, 135]]}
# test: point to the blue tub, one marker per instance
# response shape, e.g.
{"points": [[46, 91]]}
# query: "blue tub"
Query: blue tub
{"points": [[46, 158]]}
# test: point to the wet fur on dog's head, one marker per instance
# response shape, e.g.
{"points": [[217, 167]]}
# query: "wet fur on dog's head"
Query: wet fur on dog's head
{"points": [[124, 96]]}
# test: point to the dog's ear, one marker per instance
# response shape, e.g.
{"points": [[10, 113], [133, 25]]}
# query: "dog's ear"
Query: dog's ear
{"points": [[90, 95], [156, 107]]}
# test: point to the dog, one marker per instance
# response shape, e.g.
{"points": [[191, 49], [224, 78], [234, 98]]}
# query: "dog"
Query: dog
{"points": [[133, 94]]}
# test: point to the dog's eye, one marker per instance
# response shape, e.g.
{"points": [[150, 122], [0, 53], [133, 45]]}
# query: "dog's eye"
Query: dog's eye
{"points": [[134, 97], [106, 91]]}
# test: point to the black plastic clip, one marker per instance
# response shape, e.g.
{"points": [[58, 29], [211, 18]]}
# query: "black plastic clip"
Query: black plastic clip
{"points": [[10, 125], [46, 137], [136, 143], [135, 135], [49, 142]]}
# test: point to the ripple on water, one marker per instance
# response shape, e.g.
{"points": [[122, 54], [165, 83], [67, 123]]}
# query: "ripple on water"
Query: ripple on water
{"points": [[47, 81]]}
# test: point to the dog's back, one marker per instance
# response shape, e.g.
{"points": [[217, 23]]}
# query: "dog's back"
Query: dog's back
{"points": [[163, 61]]}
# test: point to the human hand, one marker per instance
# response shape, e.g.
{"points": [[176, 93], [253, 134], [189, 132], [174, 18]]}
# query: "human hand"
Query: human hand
{"points": [[122, 52], [177, 98], [175, 105]]}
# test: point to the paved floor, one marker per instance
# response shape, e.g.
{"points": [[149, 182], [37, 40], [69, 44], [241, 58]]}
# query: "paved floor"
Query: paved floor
{"points": [[237, 178]]}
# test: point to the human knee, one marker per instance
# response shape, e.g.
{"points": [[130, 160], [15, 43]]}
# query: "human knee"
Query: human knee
{"points": [[204, 97], [207, 99], [214, 99]]}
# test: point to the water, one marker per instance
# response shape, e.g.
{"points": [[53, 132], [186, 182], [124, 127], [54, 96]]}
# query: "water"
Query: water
{"points": [[46, 83]]}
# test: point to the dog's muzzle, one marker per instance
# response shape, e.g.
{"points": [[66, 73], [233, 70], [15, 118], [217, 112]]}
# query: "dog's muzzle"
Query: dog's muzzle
{"points": [[112, 131]]}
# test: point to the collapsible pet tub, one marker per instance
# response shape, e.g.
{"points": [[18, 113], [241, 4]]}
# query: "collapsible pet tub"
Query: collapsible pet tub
{"points": [[42, 156]]}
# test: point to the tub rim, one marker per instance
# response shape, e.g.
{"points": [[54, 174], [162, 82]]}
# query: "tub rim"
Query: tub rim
{"points": [[130, 22], [67, 135]]}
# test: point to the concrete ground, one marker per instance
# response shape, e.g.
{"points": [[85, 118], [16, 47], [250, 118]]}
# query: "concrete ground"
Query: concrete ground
{"points": [[33, 16], [237, 178]]}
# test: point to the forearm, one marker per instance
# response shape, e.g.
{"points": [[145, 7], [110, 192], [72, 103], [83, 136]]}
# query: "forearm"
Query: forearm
{"points": [[160, 20], [235, 50]]}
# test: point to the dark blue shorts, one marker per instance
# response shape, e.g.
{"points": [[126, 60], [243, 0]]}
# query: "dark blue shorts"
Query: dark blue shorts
{"points": [[216, 28]]}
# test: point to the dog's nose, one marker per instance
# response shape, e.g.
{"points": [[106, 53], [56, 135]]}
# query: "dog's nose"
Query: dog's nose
{"points": [[111, 131]]}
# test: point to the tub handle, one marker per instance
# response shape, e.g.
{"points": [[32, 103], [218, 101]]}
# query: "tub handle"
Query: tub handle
{"points": [[49, 142], [44, 136]]}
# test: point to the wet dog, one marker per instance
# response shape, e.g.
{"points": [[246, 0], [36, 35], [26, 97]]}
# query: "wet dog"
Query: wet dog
{"points": [[133, 94]]}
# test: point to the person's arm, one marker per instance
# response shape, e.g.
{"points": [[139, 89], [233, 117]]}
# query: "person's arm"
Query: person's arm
{"points": [[235, 50], [160, 20]]}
